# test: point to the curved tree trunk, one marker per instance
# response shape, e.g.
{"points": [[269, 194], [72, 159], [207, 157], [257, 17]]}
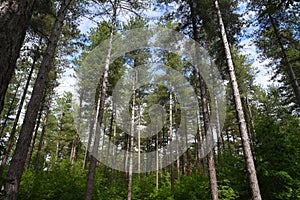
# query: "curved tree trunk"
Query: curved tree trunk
{"points": [[16, 168], [240, 113]]}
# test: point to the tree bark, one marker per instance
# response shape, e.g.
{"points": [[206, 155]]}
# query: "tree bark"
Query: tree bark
{"points": [[14, 21], [240, 113], [18, 160]]}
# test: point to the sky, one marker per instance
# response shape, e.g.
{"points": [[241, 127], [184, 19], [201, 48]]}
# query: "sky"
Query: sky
{"points": [[68, 82]]}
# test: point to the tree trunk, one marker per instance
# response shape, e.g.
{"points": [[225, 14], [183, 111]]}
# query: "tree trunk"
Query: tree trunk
{"points": [[171, 134], [76, 139], [14, 21], [252, 131], [132, 130], [41, 139], [218, 127], [113, 151], [18, 160], [127, 139], [139, 144], [74, 147], [290, 71], [8, 113], [240, 113], [156, 161], [86, 154], [209, 138], [100, 111], [30, 152], [108, 148], [177, 140], [205, 110], [57, 150], [200, 142]]}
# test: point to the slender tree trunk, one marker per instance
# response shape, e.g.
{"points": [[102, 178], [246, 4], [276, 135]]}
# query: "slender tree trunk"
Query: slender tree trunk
{"points": [[209, 138], [204, 103], [156, 156], [74, 147], [100, 111], [183, 171], [76, 139], [11, 138], [252, 130], [127, 139], [228, 142], [240, 113], [14, 20], [30, 152], [41, 139], [290, 71], [156, 161], [132, 130], [86, 154], [108, 148], [57, 150], [218, 126], [188, 161], [171, 134], [18, 160], [139, 144], [8, 113], [177, 141], [200, 152], [113, 151]]}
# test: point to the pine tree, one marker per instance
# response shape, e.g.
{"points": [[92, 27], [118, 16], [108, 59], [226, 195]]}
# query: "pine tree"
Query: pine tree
{"points": [[240, 112]]}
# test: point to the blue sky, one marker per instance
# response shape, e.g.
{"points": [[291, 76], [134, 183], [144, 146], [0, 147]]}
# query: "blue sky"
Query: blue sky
{"points": [[68, 83]]}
